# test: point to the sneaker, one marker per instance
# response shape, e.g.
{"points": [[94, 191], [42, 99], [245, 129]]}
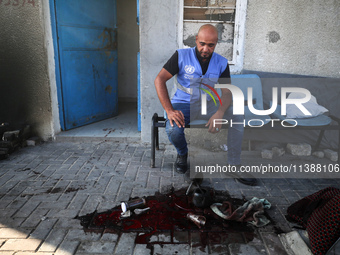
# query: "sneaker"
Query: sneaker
{"points": [[181, 163], [251, 181], [247, 181]]}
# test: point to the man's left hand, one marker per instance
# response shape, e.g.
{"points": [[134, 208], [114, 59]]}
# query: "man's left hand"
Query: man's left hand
{"points": [[215, 129]]}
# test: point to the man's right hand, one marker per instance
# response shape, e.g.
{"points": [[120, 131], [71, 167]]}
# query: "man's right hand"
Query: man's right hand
{"points": [[177, 117]]}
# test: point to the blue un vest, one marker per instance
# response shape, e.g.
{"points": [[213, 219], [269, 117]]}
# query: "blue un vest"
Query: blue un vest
{"points": [[190, 75]]}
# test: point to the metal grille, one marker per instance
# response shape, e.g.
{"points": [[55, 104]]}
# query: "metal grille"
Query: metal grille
{"points": [[209, 11]]}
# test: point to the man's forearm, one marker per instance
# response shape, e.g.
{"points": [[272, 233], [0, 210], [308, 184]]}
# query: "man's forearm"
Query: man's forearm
{"points": [[161, 89], [163, 95], [226, 99]]}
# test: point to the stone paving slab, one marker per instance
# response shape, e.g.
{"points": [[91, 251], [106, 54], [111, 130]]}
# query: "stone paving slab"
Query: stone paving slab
{"points": [[43, 188]]}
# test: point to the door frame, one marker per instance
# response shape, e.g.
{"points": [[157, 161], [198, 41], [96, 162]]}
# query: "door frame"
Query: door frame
{"points": [[57, 64]]}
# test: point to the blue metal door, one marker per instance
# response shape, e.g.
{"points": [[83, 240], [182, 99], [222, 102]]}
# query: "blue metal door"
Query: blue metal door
{"points": [[87, 46]]}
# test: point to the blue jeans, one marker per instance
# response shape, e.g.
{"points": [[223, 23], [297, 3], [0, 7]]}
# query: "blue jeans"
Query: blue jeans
{"points": [[193, 111]]}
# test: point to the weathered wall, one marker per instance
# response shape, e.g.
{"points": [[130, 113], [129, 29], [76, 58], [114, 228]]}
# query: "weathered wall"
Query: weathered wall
{"points": [[158, 41], [128, 46], [25, 90], [55, 125], [293, 36]]}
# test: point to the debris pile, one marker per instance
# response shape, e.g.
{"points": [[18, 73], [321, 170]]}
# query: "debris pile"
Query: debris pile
{"points": [[299, 149], [12, 138]]}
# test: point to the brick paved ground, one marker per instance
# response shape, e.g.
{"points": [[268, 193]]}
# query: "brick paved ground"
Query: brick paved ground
{"points": [[43, 188]]}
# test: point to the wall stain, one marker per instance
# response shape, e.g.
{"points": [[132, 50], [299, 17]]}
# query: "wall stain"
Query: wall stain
{"points": [[220, 29], [108, 36], [108, 89], [273, 37]]}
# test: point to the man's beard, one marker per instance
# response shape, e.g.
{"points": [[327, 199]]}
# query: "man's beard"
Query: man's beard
{"points": [[207, 55]]}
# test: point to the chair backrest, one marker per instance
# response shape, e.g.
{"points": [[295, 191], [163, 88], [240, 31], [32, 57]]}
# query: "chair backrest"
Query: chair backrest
{"points": [[245, 81]]}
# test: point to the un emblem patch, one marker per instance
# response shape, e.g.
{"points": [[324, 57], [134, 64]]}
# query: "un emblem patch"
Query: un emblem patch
{"points": [[189, 69]]}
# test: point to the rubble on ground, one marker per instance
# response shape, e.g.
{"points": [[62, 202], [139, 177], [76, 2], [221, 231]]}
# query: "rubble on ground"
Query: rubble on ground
{"points": [[268, 154], [299, 149], [318, 154], [330, 154], [278, 152], [13, 138]]}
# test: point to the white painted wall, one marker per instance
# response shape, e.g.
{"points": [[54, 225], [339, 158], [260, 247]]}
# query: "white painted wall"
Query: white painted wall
{"points": [[158, 41], [55, 121]]}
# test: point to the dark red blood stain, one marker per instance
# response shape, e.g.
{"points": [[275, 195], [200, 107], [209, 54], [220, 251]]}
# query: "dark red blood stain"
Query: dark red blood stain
{"points": [[167, 214]]}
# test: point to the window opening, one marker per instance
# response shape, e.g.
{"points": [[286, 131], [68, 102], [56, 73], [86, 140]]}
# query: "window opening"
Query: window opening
{"points": [[229, 18]]}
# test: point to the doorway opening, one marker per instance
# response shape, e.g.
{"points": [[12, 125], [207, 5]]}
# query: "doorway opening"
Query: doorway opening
{"points": [[125, 123], [121, 128]]}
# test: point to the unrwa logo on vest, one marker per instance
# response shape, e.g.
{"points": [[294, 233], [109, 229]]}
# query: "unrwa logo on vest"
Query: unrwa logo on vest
{"points": [[189, 69]]}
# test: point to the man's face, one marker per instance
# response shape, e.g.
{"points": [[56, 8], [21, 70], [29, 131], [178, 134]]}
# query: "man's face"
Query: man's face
{"points": [[206, 41]]}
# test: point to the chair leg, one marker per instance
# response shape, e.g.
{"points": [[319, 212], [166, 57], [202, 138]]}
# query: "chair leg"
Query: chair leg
{"points": [[157, 138], [319, 140], [153, 142], [338, 122], [152, 148]]}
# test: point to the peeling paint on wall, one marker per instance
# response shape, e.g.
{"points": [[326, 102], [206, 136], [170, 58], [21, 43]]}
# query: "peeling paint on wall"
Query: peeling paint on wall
{"points": [[225, 37], [220, 29], [190, 41]]}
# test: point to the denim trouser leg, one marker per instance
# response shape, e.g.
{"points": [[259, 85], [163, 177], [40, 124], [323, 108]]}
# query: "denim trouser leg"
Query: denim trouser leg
{"points": [[175, 134], [235, 137], [235, 132]]}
